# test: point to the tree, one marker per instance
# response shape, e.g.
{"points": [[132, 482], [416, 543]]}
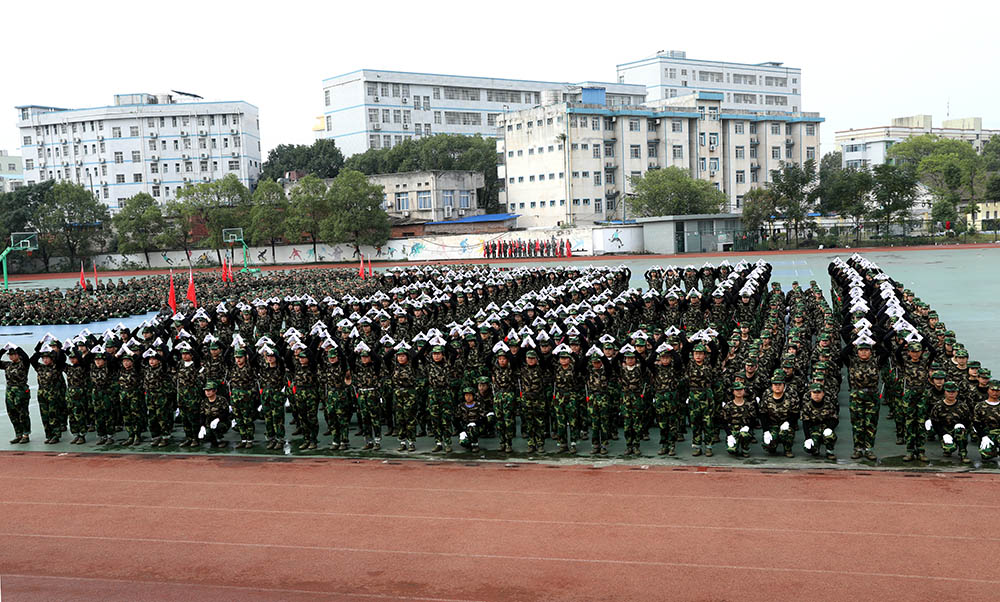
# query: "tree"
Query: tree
{"points": [[830, 175], [795, 186], [760, 206], [141, 226], [951, 169], [356, 213], [853, 188], [894, 191], [322, 159], [19, 211], [217, 205], [671, 191], [72, 219], [944, 211], [307, 210], [267, 214]]}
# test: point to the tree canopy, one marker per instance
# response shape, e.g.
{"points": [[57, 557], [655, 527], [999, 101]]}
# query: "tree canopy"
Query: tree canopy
{"points": [[671, 191], [322, 159]]}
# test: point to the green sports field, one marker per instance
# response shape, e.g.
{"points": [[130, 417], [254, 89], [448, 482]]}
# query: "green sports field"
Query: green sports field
{"points": [[960, 284]]}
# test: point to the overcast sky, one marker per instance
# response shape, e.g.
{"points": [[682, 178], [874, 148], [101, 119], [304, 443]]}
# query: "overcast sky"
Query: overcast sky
{"points": [[862, 62]]}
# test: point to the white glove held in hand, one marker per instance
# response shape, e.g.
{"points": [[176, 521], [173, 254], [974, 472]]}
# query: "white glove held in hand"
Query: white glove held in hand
{"points": [[201, 433], [785, 426], [745, 429], [827, 432], [731, 441], [767, 437], [948, 440], [214, 423], [927, 424], [808, 444]]}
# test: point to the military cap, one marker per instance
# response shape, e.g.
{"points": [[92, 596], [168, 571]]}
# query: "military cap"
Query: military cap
{"points": [[961, 353], [915, 346], [738, 385], [939, 374], [331, 352], [975, 364], [700, 347], [240, 352], [531, 353], [985, 373], [778, 377], [302, 353], [610, 345], [995, 384], [565, 354], [211, 385], [437, 349], [214, 345], [951, 386], [484, 328], [485, 380], [788, 363], [467, 389]]}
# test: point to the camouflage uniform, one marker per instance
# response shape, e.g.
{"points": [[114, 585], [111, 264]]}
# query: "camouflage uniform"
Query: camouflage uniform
{"points": [[913, 406], [405, 380], [863, 378], [666, 382], [337, 408], [505, 403], [440, 399], [189, 394], [987, 422], [51, 396], [633, 384], [533, 399], [954, 420], [133, 402], [566, 399], [101, 401], [305, 398], [819, 422], [77, 397], [18, 395], [739, 421], [272, 396], [776, 413], [159, 406], [212, 410], [700, 380], [598, 394], [242, 385], [366, 382]]}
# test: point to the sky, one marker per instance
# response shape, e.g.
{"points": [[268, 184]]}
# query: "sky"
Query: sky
{"points": [[862, 62]]}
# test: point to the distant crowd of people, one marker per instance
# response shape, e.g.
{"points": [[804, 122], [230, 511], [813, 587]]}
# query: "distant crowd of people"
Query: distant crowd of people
{"points": [[501, 249]]}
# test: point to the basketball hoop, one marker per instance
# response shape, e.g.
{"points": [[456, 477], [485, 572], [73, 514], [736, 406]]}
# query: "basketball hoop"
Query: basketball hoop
{"points": [[29, 253]]}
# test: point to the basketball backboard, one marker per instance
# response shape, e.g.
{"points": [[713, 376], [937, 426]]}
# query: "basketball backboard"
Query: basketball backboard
{"points": [[232, 235], [24, 241]]}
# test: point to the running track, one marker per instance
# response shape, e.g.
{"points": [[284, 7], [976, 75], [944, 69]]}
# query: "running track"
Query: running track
{"points": [[139, 527]]}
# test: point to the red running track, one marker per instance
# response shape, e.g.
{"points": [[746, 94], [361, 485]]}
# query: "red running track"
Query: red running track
{"points": [[149, 528]]}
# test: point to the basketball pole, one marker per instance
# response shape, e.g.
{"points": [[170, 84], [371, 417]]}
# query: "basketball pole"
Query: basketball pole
{"points": [[3, 259]]}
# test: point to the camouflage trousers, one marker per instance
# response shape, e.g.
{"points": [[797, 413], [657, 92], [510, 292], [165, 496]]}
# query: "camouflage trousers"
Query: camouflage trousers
{"points": [[406, 413], [469, 435], [214, 435], [160, 410], [273, 405], [78, 403], [864, 408], [505, 408], [369, 414], [990, 451], [959, 439], [101, 402], [189, 401], [632, 412], [820, 433], [785, 438], [17, 409], [892, 395], [600, 418], [52, 406], [700, 408], [565, 404], [533, 418], [337, 409], [665, 404], [244, 410], [133, 404], [914, 410], [738, 441], [439, 410], [305, 400]]}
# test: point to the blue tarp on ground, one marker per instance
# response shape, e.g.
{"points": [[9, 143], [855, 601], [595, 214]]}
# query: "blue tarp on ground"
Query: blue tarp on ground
{"points": [[489, 217]]}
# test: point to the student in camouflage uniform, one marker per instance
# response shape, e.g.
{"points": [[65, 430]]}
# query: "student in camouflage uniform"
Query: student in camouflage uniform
{"points": [[565, 400], [738, 415], [472, 419], [819, 421], [440, 398], [777, 410], [51, 391], [950, 418], [190, 391], [272, 394], [78, 395], [405, 380], [305, 397], [215, 420], [365, 378], [533, 403], [504, 381], [334, 374], [633, 380], [598, 401], [700, 378], [986, 418], [100, 391], [915, 362], [666, 382], [18, 395], [242, 379], [863, 375], [157, 377], [132, 399]]}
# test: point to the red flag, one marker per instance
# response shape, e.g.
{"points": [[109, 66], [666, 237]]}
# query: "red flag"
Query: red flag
{"points": [[569, 249], [225, 273], [191, 296], [369, 266], [229, 267], [83, 281], [95, 274], [172, 296], [361, 269]]}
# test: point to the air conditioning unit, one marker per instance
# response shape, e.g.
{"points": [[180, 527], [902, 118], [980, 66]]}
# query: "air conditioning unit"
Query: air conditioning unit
{"points": [[41, 163], [711, 147], [153, 134], [100, 137], [204, 155], [235, 153], [753, 141], [447, 212], [754, 165], [202, 133], [79, 161], [156, 180], [789, 141], [205, 178], [232, 130], [406, 126], [711, 174], [461, 211], [375, 99], [41, 142], [102, 160], [656, 122], [184, 133], [62, 140], [406, 214], [376, 126], [154, 157], [76, 139], [406, 100], [186, 179]]}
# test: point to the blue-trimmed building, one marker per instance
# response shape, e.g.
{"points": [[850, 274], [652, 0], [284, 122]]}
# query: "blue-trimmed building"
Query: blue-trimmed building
{"points": [[575, 163], [148, 143], [372, 108], [11, 172], [769, 86]]}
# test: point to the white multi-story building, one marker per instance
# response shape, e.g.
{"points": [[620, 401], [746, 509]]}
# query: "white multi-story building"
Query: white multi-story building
{"points": [[571, 163], [143, 143], [867, 147], [11, 172], [749, 87], [431, 195], [371, 108]]}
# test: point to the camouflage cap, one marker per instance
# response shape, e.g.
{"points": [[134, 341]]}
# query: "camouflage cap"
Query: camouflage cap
{"points": [[332, 352], [240, 352], [468, 390], [915, 346], [939, 374], [738, 386], [483, 380], [975, 364], [995, 384], [437, 349], [531, 353], [985, 373], [211, 385], [951, 386], [961, 353], [302, 353], [700, 347], [778, 377]]}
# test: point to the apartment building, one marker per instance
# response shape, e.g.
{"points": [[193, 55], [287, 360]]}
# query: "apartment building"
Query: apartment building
{"points": [[433, 196], [371, 108], [868, 147], [11, 172], [151, 143], [572, 163], [769, 86]]}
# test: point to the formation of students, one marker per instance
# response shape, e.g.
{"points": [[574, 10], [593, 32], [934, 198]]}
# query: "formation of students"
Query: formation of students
{"points": [[715, 354], [528, 248]]}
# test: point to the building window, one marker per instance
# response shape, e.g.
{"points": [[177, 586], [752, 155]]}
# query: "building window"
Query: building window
{"points": [[633, 125], [133, 131], [635, 151], [463, 199], [116, 132], [397, 116], [753, 176], [678, 151], [120, 178], [753, 152], [701, 164], [701, 138], [234, 165], [738, 127], [597, 178], [810, 152], [156, 191], [775, 152], [788, 152], [370, 87], [136, 156], [119, 158], [597, 151], [402, 201], [740, 152], [651, 151], [373, 141], [424, 199], [595, 124], [776, 129], [609, 177], [713, 139], [609, 150], [137, 177], [597, 206], [810, 129], [741, 176]]}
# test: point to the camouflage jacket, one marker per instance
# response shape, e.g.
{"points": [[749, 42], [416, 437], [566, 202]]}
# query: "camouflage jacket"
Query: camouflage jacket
{"points": [[737, 417], [699, 377], [778, 410], [272, 378], [532, 381], [440, 375], [948, 416], [863, 374], [130, 380], [405, 376], [158, 379], [188, 376], [986, 418], [241, 377], [915, 372], [632, 379], [16, 373], [332, 376], [76, 376], [504, 379], [597, 379], [100, 377], [365, 376], [666, 379], [565, 379], [304, 377], [822, 412]]}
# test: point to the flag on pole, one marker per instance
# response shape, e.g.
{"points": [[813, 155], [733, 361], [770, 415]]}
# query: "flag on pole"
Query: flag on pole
{"points": [[369, 266], [191, 296], [83, 281], [361, 268], [172, 296], [225, 274], [95, 274]]}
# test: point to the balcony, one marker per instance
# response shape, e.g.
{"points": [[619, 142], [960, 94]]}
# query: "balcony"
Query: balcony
{"points": [[789, 141], [611, 164]]}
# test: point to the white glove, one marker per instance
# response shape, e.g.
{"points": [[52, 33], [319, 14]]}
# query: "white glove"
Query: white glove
{"points": [[201, 433], [986, 443], [731, 441], [947, 439], [214, 424], [785, 426], [234, 423], [177, 412], [767, 437], [960, 426], [462, 436], [745, 429], [471, 425], [490, 415], [808, 443], [827, 432], [927, 425], [260, 408], [288, 404]]}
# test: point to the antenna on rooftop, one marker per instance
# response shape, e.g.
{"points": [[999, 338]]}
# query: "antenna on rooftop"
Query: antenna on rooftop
{"points": [[187, 94]]}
